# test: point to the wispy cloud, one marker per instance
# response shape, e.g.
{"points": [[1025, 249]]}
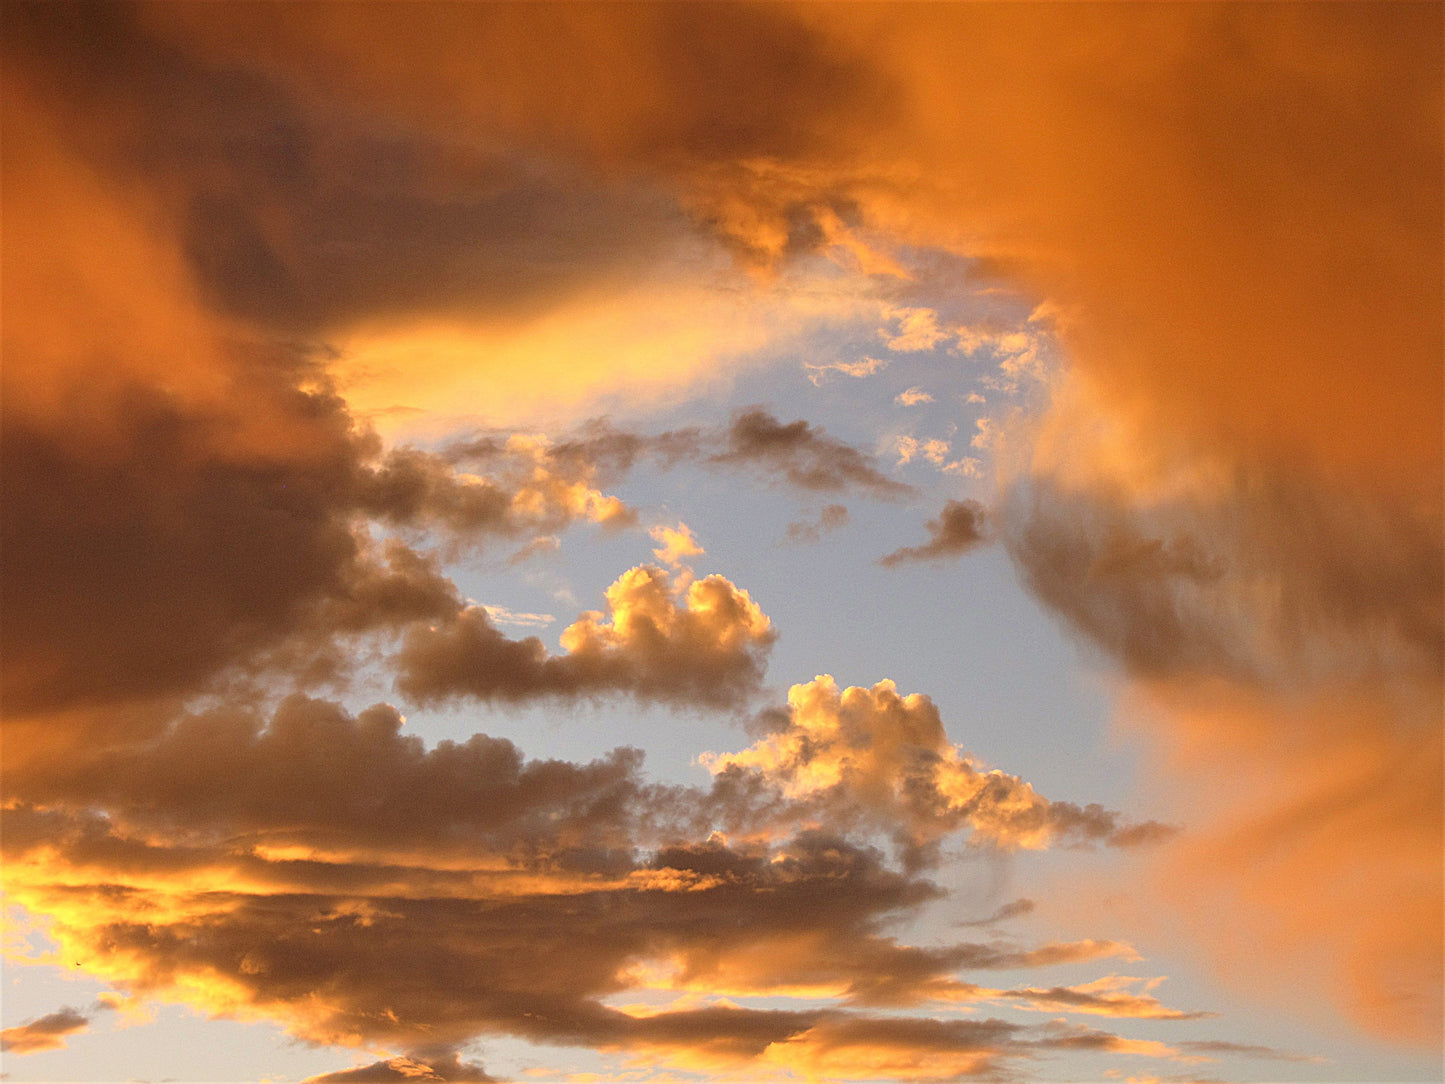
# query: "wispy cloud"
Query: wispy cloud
{"points": [[856, 369]]}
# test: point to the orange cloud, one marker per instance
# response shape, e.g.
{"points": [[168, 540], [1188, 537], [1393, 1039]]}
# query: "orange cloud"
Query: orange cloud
{"points": [[876, 756], [693, 642], [48, 1032]]}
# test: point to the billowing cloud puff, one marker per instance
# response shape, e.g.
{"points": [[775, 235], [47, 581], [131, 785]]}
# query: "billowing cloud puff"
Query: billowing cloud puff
{"points": [[699, 642], [872, 755], [329, 872], [676, 543]]}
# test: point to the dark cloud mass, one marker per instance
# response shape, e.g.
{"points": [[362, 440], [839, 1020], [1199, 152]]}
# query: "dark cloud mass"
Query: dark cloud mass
{"points": [[1233, 495], [304, 217], [437, 895]]}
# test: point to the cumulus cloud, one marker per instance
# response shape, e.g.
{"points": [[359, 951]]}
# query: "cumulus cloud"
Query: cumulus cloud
{"points": [[677, 543], [684, 642], [873, 756], [958, 529], [518, 926], [438, 894]]}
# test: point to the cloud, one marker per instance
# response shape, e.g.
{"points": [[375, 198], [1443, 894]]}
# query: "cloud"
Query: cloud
{"points": [[48, 1032], [874, 757], [805, 455], [1243, 272], [1206, 1048], [1109, 996], [447, 1067], [677, 543], [958, 529], [796, 453], [912, 397], [1282, 626], [689, 642], [916, 330], [1013, 909], [212, 555], [440, 894], [831, 518], [857, 369]]}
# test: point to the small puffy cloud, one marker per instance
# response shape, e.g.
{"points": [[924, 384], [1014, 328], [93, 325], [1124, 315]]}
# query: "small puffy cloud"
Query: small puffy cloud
{"points": [[913, 330], [703, 642], [986, 434], [958, 529], [856, 369], [48, 1032], [1019, 354], [912, 397], [934, 450], [677, 543], [967, 466], [974, 397]]}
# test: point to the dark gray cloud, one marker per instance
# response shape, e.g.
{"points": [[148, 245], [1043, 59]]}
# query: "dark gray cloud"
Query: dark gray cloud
{"points": [[303, 214], [959, 528], [804, 455]]}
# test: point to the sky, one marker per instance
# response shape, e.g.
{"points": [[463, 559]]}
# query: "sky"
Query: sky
{"points": [[689, 542]]}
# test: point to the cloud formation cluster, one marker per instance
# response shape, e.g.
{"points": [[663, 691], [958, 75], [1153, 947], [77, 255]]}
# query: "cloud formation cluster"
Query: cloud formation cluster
{"points": [[329, 872], [1233, 227]]}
